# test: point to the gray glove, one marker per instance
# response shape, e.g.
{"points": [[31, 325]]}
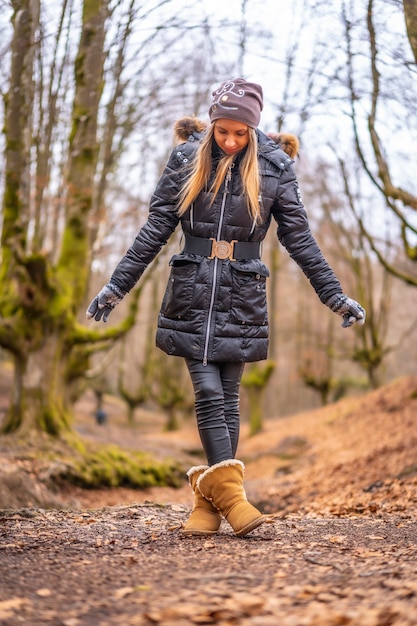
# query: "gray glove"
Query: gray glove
{"points": [[104, 302], [350, 310]]}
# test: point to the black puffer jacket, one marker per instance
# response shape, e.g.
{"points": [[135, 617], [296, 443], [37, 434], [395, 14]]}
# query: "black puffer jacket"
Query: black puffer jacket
{"points": [[215, 309]]}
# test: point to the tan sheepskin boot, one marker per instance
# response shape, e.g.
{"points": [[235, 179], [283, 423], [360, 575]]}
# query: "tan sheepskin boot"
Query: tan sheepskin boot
{"points": [[205, 518], [222, 484]]}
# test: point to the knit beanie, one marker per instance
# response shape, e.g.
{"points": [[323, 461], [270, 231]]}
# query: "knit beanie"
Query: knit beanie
{"points": [[238, 100]]}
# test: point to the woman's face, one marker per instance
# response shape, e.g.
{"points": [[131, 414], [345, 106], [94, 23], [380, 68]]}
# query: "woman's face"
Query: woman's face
{"points": [[231, 136]]}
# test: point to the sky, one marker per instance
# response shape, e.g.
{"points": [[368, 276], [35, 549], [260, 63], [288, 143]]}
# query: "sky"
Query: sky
{"points": [[274, 28]]}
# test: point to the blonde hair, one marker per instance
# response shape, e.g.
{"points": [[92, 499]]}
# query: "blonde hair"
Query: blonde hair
{"points": [[201, 170]]}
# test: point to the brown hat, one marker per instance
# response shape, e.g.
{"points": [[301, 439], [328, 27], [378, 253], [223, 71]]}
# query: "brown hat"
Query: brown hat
{"points": [[239, 100]]}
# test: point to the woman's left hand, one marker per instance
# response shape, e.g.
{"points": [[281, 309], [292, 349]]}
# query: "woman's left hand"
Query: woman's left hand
{"points": [[349, 309]]}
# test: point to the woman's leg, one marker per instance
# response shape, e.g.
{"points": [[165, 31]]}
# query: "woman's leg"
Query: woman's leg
{"points": [[216, 390], [231, 374]]}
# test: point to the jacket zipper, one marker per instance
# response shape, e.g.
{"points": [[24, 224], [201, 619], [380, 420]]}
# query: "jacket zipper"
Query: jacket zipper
{"points": [[192, 216], [216, 262]]}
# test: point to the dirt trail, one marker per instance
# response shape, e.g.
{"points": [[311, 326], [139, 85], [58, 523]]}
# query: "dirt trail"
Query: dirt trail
{"points": [[339, 486], [131, 565]]}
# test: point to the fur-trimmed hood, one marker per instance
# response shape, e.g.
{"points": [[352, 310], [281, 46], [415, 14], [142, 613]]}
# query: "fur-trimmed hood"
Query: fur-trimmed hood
{"points": [[192, 127]]}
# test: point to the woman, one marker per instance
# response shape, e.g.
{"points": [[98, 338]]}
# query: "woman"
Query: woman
{"points": [[224, 185]]}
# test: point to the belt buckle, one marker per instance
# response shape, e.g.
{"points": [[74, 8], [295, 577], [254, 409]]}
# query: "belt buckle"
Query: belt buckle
{"points": [[222, 249]]}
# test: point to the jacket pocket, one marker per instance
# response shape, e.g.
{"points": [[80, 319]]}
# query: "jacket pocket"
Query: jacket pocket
{"points": [[178, 297], [249, 305]]}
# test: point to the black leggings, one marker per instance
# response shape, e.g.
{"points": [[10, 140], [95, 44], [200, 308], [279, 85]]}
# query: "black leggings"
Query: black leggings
{"points": [[216, 390]]}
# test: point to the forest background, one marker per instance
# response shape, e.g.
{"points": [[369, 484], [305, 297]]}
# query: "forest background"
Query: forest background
{"points": [[90, 94], [91, 90]]}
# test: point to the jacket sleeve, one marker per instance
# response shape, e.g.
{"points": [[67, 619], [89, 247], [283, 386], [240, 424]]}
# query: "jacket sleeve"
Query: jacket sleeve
{"points": [[294, 233], [159, 226]]}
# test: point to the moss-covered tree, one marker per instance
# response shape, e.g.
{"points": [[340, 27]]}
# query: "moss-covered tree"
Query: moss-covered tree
{"points": [[43, 287], [40, 296]]}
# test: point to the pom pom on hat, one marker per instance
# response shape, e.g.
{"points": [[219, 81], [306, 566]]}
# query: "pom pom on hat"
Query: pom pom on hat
{"points": [[239, 100]]}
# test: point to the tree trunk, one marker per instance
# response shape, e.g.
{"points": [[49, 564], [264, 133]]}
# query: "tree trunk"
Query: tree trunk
{"points": [[256, 401], [17, 134], [255, 380], [39, 302], [73, 262], [410, 13], [172, 422], [40, 398]]}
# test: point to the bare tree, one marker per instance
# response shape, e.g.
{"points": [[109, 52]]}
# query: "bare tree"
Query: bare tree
{"points": [[399, 200]]}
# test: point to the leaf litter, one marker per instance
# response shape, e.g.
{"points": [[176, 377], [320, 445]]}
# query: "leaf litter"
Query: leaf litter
{"points": [[339, 546]]}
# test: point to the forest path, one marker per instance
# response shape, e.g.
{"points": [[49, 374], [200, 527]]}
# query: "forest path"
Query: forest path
{"points": [[339, 487]]}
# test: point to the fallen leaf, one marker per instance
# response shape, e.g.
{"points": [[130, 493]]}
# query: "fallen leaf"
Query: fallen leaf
{"points": [[376, 537], [336, 538], [44, 593], [366, 553], [122, 592], [13, 603]]}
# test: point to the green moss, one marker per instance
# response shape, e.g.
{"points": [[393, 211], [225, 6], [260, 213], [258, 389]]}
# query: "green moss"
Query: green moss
{"points": [[111, 466], [72, 269], [72, 459], [91, 8], [12, 421], [258, 374], [75, 443], [53, 422]]}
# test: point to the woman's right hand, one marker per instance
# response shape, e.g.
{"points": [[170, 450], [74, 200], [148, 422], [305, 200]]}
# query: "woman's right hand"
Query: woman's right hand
{"points": [[103, 304]]}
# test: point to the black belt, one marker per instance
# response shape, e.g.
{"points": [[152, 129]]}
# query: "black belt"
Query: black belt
{"points": [[233, 250]]}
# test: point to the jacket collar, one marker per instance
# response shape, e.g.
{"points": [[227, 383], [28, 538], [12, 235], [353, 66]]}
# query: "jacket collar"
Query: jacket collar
{"points": [[272, 151]]}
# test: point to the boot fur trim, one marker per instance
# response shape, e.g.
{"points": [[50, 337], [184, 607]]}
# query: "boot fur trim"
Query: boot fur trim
{"points": [[212, 468], [196, 468]]}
